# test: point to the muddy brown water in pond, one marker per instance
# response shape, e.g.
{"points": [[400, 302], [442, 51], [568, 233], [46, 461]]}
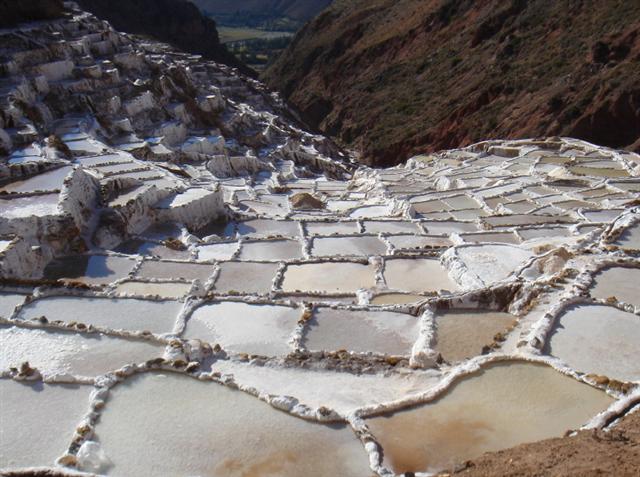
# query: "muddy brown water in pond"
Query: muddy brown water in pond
{"points": [[502, 406], [220, 227], [396, 299], [462, 334]]}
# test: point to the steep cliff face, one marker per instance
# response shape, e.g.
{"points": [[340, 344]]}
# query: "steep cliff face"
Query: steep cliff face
{"points": [[177, 22], [18, 11], [296, 9], [395, 77]]}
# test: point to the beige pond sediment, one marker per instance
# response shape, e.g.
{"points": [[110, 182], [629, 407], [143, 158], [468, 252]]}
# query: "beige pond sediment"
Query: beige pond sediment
{"points": [[462, 334], [381, 332], [396, 299], [166, 424], [341, 277], [417, 275], [504, 405]]}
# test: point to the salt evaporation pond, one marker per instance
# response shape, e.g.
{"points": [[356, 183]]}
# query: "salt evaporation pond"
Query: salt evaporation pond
{"points": [[461, 334], [417, 275], [245, 277], [396, 299], [8, 303], [167, 270], [275, 250], [367, 331], [331, 228], [619, 282], [116, 313], [166, 290], [504, 405], [54, 410], [90, 269], [241, 327], [342, 277], [60, 353], [347, 246], [207, 429], [217, 251], [265, 228], [36, 205], [599, 339], [47, 181], [630, 238]]}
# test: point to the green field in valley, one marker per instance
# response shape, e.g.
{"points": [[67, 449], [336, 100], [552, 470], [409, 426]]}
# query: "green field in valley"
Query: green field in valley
{"points": [[234, 34]]}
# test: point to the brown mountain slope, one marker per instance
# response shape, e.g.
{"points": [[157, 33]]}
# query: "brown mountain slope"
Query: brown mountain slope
{"points": [[177, 22], [395, 77]]}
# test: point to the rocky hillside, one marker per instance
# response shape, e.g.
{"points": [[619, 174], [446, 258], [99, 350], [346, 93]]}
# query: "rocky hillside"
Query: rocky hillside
{"points": [[301, 10], [13, 12], [395, 77], [177, 22]]}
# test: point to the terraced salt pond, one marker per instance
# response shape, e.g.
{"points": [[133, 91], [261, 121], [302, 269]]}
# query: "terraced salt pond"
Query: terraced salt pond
{"points": [[395, 299], [245, 277], [8, 303], [504, 405], [53, 409], [599, 339], [347, 246], [166, 270], [55, 353], [118, 313], [619, 282], [338, 277], [378, 332], [275, 250], [90, 269], [417, 275], [45, 182], [36, 205], [630, 239], [252, 440], [462, 334], [163, 289], [241, 327]]}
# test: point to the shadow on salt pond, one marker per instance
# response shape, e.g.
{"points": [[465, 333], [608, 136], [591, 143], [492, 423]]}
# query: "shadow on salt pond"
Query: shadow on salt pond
{"points": [[91, 269]]}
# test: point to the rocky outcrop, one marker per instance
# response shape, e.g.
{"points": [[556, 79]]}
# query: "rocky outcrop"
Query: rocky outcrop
{"points": [[177, 22], [392, 78]]}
